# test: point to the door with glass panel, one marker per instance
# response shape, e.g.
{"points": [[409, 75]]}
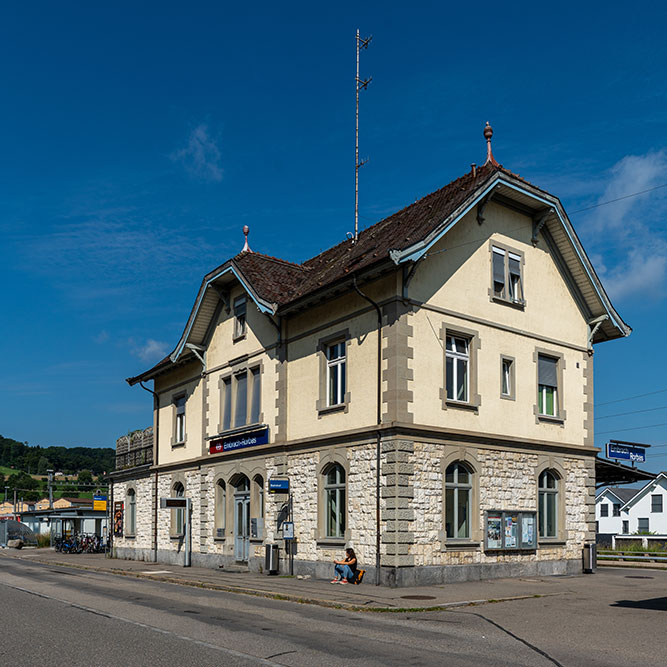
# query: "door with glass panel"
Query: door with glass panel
{"points": [[242, 520]]}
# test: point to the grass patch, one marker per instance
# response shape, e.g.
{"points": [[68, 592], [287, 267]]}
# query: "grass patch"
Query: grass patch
{"points": [[43, 541]]}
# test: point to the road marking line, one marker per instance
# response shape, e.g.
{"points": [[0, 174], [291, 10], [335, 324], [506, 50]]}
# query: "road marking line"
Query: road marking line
{"points": [[229, 651]]}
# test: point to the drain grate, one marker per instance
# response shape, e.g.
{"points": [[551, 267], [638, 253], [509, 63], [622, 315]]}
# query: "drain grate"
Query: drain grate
{"points": [[637, 576], [417, 597]]}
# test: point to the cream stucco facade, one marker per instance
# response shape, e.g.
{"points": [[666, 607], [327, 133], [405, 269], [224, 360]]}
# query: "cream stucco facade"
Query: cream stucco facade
{"points": [[507, 429]]}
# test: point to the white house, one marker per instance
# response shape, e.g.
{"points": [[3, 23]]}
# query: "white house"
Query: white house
{"points": [[646, 512], [609, 517]]}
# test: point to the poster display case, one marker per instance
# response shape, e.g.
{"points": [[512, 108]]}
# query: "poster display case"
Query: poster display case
{"points": [[506, 530]]}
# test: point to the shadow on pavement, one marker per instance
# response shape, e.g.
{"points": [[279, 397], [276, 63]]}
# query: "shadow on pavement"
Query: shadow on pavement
{"points": [[654, 604]]}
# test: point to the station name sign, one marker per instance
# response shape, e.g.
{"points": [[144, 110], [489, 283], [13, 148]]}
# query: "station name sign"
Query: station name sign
{"points": [[625, 452], [240, 441], [278, 485]]}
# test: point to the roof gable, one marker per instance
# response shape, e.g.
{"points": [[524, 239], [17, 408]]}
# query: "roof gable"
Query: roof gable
{"points": [[661, 479], [276, 285]]}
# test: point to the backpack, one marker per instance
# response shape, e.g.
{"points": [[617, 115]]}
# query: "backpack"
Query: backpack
{"points": [[360, 575]]}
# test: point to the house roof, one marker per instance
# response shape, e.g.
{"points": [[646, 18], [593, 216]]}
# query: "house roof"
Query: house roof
{"points": [[621, 494], [650, 486], [278, 286]]}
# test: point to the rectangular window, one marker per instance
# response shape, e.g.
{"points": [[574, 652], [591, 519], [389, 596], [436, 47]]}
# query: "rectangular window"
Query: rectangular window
{"points": [[241, 410], [507, 279], [226, 404], [179, 404], [336, 362], [642, 525], [239, 316], [616, 509], [626, 527], [547, 385], [506, 383], [457, 364], [604, 510], [656, 503]]}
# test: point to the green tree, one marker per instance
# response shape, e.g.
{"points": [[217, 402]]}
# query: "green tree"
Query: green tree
{"points": [[42, 465], [85, 477]]}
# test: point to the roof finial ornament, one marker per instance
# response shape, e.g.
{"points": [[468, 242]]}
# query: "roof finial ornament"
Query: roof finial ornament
{"points": [[246, 247], [488, 133]]}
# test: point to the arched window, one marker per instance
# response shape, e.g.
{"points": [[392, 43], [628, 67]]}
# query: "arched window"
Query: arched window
{"points": [[334, 500], [458, 501], [178, 515], [547, 506], [131, 517], [259, 489], [220, 508]]}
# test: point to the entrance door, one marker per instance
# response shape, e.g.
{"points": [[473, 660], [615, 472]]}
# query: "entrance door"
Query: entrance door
{"points": [[242, 526]]}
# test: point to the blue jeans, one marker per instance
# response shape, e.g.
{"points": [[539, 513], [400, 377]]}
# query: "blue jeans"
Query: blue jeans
{"points": [[344, 571]]}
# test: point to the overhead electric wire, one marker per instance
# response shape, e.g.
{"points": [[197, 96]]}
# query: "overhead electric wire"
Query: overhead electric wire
{"points": [[630, 398], [636, 428], [632, 412], [612, 201]]}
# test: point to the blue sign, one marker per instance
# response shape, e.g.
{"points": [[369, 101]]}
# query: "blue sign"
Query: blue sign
{"points": [[279, 486], [251, 439], [626, 452]]}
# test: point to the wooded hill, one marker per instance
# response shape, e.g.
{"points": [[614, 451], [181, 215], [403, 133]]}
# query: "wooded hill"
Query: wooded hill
{"points": [[70, 460]]}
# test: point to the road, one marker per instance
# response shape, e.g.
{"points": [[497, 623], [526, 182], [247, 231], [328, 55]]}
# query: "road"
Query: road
{"points": [[63, 616]]}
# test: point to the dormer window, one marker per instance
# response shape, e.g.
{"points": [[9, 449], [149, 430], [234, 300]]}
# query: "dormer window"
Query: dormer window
{"points": [[239, 317]]}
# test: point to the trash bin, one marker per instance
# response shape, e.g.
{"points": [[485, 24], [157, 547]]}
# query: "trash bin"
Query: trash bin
{"points": [[590, 557], [272, 558]]}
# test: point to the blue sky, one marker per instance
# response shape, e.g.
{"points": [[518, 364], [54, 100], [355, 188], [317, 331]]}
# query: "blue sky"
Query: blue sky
{"points": [[137, 142]]}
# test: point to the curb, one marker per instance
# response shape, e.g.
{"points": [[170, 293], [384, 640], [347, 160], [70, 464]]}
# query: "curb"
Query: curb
{"points": [[274, 595]]}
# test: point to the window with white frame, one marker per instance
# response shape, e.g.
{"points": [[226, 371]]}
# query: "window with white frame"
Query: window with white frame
{"points": [[334, 501], [179, 405], [457, 368], [604, 509], [226, 404], [336, 362], [626, 527], [241, 407], [507, 280], [616, 509], [547, 370], [547, 489], [458, 501], [131, 518], [656, 503], [220, 508], [642, 526], [240, 305]]}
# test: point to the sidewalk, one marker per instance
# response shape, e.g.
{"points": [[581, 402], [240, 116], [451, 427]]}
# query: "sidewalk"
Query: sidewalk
{"points": [[365, 597]]}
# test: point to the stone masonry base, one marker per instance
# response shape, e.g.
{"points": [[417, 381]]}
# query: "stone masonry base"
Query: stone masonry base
{"points": [[400, 577]]}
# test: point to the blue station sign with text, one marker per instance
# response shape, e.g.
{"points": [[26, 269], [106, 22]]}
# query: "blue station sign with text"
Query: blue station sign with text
{"points": [[240, 441], [626, 452], [278, 485]]}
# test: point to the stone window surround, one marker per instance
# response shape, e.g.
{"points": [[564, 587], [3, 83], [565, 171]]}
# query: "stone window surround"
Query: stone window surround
{"points": [[519, 305], [465, 456], [512, 395], [175, 479], [560, 357], [127, 534], [217, 519], [554, 466], [321, 405], [474, 346], [240, 367], [327, 459], [174, 398]]}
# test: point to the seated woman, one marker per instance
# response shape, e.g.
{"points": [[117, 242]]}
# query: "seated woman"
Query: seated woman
{"points": [[345, 570]]}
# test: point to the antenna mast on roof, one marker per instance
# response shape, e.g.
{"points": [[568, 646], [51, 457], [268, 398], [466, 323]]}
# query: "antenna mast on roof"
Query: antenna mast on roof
{"points": [[361, 85]]}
